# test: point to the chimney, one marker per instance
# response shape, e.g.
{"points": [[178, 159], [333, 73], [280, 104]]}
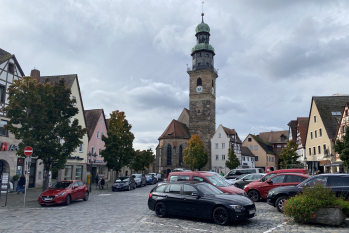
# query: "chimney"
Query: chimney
{"points": [[35, 74]]}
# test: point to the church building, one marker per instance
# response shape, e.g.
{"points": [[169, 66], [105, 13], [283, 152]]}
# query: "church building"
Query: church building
{"points": [[201, 117]]}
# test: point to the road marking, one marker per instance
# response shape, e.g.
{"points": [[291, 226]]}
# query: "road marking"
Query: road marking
{"points": [[103, 194], [186, 228], [270, 230]]}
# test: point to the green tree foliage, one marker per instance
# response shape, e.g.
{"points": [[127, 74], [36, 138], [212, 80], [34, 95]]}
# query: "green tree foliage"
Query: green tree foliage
{"points": [[195, 155], [342, 148], [142, 159], [289, 155], [232, 162], [40, 115], [118, 150]]}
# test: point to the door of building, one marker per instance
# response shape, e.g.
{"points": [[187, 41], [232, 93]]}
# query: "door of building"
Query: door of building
{"points": [[93, 173], [32, 174]]}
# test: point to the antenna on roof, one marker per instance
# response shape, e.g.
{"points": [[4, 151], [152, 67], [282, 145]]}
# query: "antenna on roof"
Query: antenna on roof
{"points": [[202, 14]]}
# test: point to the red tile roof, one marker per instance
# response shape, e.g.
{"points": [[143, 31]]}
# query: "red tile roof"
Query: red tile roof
{"points": [[176, 129], [274, 136], [303, 128]]}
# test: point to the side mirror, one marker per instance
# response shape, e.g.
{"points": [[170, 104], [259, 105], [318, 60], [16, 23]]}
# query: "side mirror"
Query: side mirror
{"points": [[74, 187], [195, 194]]}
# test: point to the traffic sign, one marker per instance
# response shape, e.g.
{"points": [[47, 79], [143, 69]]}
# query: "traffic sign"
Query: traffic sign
{"points": [[28, 151]]}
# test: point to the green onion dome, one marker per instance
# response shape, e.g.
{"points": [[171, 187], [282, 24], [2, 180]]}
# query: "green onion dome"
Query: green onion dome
{"points": [[202, 46], [202, 27]]}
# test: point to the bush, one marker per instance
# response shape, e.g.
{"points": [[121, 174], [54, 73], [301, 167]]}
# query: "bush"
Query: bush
{"points": [[303, 206], [15, 178]]}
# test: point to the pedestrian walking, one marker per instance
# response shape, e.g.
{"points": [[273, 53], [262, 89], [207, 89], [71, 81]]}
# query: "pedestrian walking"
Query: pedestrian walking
{"points": [[21, 184], [102, 182], [96, 179]]}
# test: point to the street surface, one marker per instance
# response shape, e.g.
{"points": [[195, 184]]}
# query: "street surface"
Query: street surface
{"points": [[127, 211]]}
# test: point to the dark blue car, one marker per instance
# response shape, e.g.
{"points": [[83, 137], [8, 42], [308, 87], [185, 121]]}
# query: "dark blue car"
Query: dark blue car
{"points": [[150, 179]]}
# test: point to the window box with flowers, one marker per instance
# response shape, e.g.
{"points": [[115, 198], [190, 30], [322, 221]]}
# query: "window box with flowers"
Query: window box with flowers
{"points": [[317, 204]]}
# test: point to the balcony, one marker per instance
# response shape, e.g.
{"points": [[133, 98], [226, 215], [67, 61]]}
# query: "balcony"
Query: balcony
{"points": [[202, 67]]}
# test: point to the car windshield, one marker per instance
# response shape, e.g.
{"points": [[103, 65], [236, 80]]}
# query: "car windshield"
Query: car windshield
{"points": [[240, 177], [208, 189], [61, 185], [122, 179], [267, 177], [216, 181]]}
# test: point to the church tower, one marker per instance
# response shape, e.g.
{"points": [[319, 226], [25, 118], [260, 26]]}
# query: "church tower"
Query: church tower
{"points": [[202, 89]]}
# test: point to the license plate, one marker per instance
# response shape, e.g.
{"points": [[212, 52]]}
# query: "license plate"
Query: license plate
{"points": [[48, 199], [252, 211]]}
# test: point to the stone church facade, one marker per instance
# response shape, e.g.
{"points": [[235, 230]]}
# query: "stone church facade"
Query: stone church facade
{"points": [[201, 117]]}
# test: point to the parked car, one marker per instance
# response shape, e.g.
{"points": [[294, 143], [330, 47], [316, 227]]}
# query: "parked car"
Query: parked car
{"points": [[238, 172], [258, 190], [124, 183], [151, 179], [155, 175], [64, 192], [205, 177], [159, 176], [200, 200], [339, 183], [281, 171], [230, 182], [140, 179], [246, 179]]}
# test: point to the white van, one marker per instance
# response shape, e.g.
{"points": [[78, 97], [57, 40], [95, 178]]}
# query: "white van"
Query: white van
{"points": [[241, 171]]}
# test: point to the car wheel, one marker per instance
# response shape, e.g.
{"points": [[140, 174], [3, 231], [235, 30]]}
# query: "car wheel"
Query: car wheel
{"points": [[86, 196], [43, 205], [236, 185], [280, 202], [67, 200], [129, 187], [160, 210], [221, 216], [254, 195]]}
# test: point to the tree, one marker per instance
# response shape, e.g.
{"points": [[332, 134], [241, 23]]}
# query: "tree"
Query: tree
{"points": [[342, 148], [40, 116], [232, 162], [118, 150], [289, 155], [195, 155], [142, 159]]}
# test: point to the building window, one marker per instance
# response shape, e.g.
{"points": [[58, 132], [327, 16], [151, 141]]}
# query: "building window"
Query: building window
{"points": [[223, 157], [314, 119], [216, 145], [101, 121], [169, 154], [68, 172], [255, 147], [81, 148], [314, 151], [309, 151], [2, 94], [346, 112], [102, 134], [207, 55], [256, 158], [199, 64], [100, 151], [243, 158], [223, 145], [11, 68], [207, 64], [250, 147], [180, 155], [212, 83], [78, 173], [319, 149], [311, 135], [216, 157], [74, 98], [219, 135], [324, 147], [248, 158], [315, 133], [98, 134], [3, 131], [93, 150], [252, 159], [199, 82], [320, 132], [343, 129], [249, 139]]}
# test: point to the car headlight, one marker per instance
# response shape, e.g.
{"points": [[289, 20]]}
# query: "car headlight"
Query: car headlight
{"points": [[237, 208], [61, 194]]}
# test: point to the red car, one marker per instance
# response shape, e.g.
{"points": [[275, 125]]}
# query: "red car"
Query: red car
{"points": [[258, 190], [63, 192], [281, 171], [207, 177]]}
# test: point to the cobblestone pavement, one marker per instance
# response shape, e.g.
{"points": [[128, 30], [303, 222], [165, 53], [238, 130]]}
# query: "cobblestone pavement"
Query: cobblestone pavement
{"points": [[127, 211]]}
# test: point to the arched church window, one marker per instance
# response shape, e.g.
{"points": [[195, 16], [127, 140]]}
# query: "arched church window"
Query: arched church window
{"points": [[180, 155], [169, 154], [212, 83], [199, 82]]}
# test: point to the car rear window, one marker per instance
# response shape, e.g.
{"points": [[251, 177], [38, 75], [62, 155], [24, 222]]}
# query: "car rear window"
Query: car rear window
{"points": [[173, 188], [339, 181], [294, 179], [188, 190], [179, 178], [161, 188]]}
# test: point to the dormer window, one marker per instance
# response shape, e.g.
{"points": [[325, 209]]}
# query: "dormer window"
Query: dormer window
{"points": [[283, 138], [11, 68]]}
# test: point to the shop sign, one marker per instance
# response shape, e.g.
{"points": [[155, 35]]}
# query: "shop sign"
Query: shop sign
{"points": [[3, 147]]}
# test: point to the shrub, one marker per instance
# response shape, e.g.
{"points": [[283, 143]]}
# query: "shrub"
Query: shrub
{"points": [[15, 178], [303, 206]]}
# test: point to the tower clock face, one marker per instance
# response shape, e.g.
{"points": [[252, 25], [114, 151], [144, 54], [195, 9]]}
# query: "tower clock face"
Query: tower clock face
{"points": [[212, 90], [199, 89]]}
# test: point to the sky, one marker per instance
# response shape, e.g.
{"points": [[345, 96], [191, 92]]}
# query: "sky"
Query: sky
{"points": [[272, 56]]}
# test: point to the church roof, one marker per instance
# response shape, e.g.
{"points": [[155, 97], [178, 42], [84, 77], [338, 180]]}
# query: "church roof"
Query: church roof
{"points": [[177, 130]]}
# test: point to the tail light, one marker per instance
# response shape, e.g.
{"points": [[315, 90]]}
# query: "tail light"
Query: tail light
{"points": [[150, 194]]}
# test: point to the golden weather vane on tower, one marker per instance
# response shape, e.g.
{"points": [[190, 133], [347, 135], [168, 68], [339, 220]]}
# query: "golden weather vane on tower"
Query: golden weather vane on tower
{"points": [[202, 14]]}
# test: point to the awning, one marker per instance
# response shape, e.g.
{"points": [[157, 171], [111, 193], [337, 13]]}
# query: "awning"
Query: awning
{"points": [[335, 164], [324, 162]]}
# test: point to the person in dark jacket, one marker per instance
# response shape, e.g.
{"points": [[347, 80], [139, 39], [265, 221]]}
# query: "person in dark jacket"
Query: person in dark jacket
{"points": [[21, 184], [102, 182]]}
